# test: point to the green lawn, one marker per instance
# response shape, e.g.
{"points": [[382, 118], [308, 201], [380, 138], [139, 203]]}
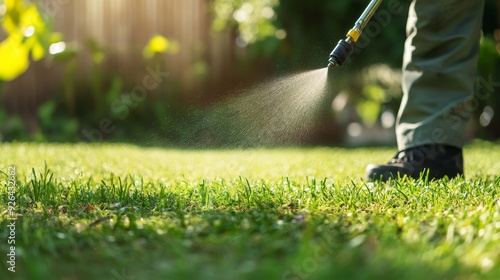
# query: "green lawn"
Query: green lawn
{"points": [[126, 212]]}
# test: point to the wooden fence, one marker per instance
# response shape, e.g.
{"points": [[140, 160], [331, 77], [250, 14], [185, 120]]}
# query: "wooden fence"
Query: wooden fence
{"points": [[123, 28]]}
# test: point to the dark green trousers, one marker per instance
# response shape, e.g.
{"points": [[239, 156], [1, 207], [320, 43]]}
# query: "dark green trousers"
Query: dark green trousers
{"points": [[439, 71]]}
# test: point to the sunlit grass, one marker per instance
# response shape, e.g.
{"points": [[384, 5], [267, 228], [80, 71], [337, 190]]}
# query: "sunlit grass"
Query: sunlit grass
{"points": [[121, 211]]}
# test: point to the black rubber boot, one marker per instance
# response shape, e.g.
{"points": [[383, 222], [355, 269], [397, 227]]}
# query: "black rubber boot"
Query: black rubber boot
{"points": [[438, 160]]}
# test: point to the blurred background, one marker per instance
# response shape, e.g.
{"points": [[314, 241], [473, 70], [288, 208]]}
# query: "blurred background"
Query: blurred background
{"points": [[146, 71]]}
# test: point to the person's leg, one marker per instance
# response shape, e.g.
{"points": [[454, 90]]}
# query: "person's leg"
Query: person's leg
{"points": [[439, 70]]}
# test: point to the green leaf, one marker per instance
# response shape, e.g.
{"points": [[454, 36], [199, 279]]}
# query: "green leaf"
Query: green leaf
{"points": [[14, 58], [375, 93], [55, 37], [37, 52], [46, 111], [31, 17], [98, 57], [369, 111], [66, 55], [22, 16], [97, 51], [12, 18]]}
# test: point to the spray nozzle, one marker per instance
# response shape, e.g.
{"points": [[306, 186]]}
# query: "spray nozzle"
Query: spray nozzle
{"points": [[345, 47], [340, 53]]}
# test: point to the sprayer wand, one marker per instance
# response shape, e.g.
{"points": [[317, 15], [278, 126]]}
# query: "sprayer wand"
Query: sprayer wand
{"points": [[345, 46]]}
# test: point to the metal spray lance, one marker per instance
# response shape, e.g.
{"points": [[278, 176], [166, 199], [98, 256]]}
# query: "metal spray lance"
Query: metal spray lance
{"points": [[345, 46]]}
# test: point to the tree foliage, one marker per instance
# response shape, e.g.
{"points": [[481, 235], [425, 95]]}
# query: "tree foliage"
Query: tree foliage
{"points": [[29, 35], [253, 18]]}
